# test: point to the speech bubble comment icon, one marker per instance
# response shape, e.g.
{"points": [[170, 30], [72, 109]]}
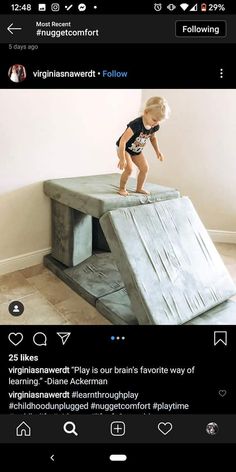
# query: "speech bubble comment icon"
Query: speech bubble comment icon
{"points": [[40, 339]]}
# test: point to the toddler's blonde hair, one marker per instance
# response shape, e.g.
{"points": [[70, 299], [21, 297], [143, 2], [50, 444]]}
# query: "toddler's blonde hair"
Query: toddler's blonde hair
{"points": [[158, 106]]}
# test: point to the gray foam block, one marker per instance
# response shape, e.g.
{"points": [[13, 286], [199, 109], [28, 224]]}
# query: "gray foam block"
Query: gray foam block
{"points": [[223, 314], [116, 307], [71, 235], [96, 277], [170, 267], [97, 194]]}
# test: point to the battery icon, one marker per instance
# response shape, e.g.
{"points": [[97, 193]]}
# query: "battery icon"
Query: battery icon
{"points": [[203, 7]]}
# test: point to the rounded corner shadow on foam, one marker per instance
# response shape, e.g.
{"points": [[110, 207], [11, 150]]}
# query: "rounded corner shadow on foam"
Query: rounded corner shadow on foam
{"points": [[104, 219]]}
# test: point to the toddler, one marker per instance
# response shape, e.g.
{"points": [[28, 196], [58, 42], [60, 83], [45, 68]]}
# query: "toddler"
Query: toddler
{"points": [[130, 145]]}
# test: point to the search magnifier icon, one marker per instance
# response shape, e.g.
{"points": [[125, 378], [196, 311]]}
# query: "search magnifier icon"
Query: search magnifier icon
{"points": [[70, 428]]}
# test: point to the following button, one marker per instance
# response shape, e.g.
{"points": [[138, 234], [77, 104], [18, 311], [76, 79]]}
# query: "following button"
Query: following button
{"points": [[216, 29]]}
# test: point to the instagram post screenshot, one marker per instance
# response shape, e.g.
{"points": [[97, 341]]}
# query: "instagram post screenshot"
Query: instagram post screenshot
{"points": [[118, 231]]}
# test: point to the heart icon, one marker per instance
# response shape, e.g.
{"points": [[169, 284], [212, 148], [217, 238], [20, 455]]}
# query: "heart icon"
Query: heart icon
{"points": [[222, 393], [165, 428], [15, 338]]}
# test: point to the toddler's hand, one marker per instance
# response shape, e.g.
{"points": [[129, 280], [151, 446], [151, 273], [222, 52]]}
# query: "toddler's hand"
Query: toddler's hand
{"points": [[121, 164], [160, 156]]}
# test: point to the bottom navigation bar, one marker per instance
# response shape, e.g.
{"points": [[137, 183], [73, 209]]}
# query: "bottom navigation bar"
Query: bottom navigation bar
{"points": [[105, 429]]}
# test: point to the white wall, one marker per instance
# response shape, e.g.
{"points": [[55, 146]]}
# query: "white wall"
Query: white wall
{"points": [[47, 134], [199, 142]]}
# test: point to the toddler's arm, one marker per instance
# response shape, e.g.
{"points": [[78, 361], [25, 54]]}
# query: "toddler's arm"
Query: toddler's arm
{"points": [[156, 148], [121, 151]]}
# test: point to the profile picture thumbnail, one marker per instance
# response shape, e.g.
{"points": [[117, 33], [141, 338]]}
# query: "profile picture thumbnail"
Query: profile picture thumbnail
{"points": [[17, 73], [212, 428]]}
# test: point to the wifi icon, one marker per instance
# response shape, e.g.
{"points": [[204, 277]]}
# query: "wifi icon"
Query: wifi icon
{"points": [[184, 6]]}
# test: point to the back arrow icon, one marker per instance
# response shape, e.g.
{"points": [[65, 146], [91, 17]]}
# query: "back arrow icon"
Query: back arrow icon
{"points": [[11, 28], [52, 457]]}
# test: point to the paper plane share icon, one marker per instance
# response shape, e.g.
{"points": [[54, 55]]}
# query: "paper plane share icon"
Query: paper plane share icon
{"points": [[64, 337]]}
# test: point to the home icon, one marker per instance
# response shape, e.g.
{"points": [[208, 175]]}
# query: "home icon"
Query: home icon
{"points": [[23, 429]]}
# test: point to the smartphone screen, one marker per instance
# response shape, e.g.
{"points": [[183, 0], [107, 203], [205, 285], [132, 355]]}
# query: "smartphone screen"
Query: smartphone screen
{"points": [[118, 231]]}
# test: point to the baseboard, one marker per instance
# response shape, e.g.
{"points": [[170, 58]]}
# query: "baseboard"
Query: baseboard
{"points": [[24, 260], [228, 237], [33, 258]]}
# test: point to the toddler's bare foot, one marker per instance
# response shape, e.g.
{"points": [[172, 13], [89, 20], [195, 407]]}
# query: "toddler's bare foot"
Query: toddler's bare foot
{"points": [[141, 190], [123, 192]]}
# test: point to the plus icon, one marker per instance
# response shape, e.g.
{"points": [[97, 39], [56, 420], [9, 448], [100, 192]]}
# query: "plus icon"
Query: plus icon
{"points": [[117, 428]]}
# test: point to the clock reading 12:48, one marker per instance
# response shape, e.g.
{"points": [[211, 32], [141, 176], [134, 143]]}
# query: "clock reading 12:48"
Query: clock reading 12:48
{"points": [[21, 7]]}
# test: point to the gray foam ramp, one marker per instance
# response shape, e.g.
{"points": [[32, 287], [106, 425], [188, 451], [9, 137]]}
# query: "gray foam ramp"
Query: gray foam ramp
{"points": [[223, 314], [97, 194], [170, 267], [116, 307], [96, 277]]}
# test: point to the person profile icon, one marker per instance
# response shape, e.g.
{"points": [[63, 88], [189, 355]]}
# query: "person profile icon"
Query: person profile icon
{"points": [[16, 309], [17, 73]]}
